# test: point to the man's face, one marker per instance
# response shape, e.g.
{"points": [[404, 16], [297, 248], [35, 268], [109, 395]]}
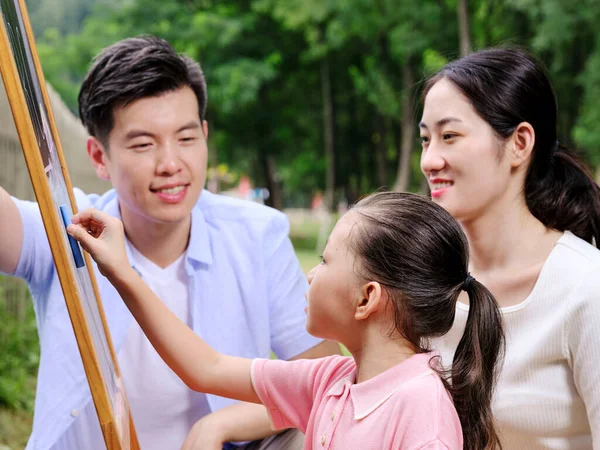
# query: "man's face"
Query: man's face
{"points": [[156, 157]]}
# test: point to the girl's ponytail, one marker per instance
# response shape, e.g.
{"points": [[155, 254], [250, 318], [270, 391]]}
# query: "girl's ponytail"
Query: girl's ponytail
{"points": [[475, 368]]}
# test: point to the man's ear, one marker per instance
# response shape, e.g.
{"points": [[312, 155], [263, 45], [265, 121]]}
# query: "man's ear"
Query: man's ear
{"points": [[521, 144], [371, 300], [98, 156], [205, 129]]}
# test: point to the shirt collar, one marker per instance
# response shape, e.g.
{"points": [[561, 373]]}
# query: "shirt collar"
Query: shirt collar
{"points": [[199, 247], [371, 394]]}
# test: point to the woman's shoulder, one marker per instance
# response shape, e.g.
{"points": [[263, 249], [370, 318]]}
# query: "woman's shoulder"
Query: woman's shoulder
{"points": [[576, 269], [577, 250]]}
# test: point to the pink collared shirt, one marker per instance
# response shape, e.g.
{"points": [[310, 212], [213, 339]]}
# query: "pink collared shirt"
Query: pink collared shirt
{"points": [[405, 407]]}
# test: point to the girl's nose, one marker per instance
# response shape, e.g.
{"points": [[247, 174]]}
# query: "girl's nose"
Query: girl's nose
{"points": [[311, 274]]}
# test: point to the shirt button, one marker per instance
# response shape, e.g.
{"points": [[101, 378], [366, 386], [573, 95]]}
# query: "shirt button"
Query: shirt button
{"points": [[75, 413], [333, 415], [323, 441]]}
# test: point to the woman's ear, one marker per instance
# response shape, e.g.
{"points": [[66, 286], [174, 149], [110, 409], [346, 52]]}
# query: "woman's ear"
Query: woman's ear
{"points": [[521, 144], [371, 300]]}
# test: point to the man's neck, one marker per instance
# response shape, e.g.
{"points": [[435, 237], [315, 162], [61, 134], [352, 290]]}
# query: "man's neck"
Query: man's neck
{"points": [[159, 242]]}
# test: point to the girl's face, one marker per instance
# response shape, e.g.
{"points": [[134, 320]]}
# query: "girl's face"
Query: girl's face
{"points": [[333, 286], [463, 160]]}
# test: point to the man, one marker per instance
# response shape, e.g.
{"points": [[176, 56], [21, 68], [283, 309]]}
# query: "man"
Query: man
{"points": [[226, 267]]}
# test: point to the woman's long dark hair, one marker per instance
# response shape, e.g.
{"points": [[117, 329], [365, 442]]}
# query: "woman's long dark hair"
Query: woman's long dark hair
{"points": [[507, 87], [419, 254]]}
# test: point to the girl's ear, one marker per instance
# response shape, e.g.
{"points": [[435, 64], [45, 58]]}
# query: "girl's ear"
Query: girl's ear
{"points": [[371, 300]]}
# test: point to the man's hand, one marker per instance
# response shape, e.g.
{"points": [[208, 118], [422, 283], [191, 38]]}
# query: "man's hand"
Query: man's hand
{"points": [[206, 434], [103, 237]]}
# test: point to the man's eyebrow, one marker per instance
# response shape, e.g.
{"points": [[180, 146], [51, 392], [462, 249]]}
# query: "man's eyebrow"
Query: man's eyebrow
{"points": [[193, 125], [440, 122], [132, 134], [138, 133]]}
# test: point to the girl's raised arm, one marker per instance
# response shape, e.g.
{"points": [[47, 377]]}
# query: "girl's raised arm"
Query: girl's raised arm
{"points": [[200, 367]]}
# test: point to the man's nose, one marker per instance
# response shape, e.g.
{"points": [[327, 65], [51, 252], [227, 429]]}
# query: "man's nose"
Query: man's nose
{"points": [[168, 160]]}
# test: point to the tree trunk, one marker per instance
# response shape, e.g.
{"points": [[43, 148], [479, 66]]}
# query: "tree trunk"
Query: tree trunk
{"points": [[212, 183], [328, 131], [407, 132], [275, 199], [463, 27], [381, 152]]}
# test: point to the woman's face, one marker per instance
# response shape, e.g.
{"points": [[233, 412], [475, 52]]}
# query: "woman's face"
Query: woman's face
{"points": [[462, 158]]}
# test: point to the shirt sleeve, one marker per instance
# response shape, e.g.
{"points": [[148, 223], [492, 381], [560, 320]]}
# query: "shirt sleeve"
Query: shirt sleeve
{"points": [[287, 286], [36, 265], [583, 346], [289, 389]]}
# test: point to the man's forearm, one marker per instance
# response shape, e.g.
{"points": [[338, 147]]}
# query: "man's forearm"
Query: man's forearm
{"points": [[11, 230], [240, 422]]}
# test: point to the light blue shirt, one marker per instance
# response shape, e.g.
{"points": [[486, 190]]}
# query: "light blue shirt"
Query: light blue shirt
{"points": [[246, 298]]}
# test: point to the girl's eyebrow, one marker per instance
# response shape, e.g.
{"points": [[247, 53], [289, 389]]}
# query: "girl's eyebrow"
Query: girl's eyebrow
{"points": [[440, 122]]}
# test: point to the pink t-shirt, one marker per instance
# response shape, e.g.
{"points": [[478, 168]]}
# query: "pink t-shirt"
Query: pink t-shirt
{"points": [[406, 407]]}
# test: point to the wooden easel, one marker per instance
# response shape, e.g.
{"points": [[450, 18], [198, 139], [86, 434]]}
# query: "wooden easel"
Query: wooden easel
{"points": [[21, 70]]}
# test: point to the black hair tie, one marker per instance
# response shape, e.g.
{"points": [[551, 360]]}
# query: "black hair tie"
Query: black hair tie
{"points": [[467, 283]]}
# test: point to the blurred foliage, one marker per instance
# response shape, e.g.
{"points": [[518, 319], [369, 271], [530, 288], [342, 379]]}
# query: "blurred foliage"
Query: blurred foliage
{"points": [[19, 354], [262, 63]]}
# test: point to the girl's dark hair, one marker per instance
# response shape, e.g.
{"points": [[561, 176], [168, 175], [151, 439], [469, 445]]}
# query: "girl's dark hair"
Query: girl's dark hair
{"points": [[131, 69], [419, 254], [507, 87]]}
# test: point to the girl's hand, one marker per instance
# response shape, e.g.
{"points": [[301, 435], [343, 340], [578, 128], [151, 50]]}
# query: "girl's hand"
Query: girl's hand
{"points": [[102, 236]]}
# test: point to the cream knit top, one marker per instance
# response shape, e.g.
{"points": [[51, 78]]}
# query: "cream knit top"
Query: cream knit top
{"points": [[548, 393]]}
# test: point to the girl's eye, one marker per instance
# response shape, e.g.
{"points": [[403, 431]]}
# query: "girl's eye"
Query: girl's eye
{"points": [[448, 136], [322, 259], [424, 140]]}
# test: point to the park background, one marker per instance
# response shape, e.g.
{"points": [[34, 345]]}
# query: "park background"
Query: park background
{"points": [[314, 102]]}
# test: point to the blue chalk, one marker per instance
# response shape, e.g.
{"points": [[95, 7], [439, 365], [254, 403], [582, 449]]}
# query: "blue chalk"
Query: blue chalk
{"points": [[66, 217]]}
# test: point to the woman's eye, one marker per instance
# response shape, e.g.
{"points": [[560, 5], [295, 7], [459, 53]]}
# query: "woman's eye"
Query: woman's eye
{"points": [[447, 136], [424, 140], [322, 259]]}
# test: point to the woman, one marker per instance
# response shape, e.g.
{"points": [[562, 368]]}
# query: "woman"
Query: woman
{"points": [[531, 213]]}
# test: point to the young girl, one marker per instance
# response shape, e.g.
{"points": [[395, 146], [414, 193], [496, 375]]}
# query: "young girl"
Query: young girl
{"points": [[531, 212], [391, 274]]}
